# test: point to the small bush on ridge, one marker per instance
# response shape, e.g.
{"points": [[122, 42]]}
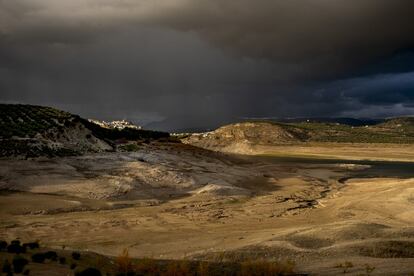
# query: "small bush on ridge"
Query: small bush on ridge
{"points": [[19, 263], [76, 255], [38, 258], [89, 272]]}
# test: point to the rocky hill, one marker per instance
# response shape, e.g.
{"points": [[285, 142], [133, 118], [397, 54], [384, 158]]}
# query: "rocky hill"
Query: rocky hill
{"points": [[401, 124], [240, 137], [30, 131]]}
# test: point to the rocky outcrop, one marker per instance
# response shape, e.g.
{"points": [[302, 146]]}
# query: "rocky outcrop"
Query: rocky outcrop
{"points": [[240, 137]]}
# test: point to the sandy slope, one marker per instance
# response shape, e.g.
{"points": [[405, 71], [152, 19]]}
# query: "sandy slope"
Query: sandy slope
{"points": [[388, 152], [175, 201], [347, 151]]}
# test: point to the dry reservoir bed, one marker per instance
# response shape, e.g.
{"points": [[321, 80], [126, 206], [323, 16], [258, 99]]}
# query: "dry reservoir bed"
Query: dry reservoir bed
{"points": [[176, 201]]}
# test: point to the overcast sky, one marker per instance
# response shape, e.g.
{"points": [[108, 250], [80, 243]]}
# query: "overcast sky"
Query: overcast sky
{"points": [[177, 64]]}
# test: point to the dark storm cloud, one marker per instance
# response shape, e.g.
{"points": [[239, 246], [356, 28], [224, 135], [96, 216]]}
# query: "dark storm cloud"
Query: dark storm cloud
{"points": [[385, 91], [138, 70], [216, 60], [329, 36]]}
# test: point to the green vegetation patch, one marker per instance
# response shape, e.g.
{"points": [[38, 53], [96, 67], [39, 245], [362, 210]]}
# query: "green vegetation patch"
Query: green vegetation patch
{"points": [[20, 126], [31, 148], [393, 131], [28, 120]]}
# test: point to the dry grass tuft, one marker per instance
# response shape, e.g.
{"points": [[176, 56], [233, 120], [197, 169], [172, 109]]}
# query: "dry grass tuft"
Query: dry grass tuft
{"points": [[178, 268], [124, 263], [151, 267], [266, 268]]}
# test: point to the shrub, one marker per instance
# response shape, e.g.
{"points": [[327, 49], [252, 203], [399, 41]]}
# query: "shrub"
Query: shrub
{"points": [[31, 245], [26, 272], [15, 242], [123, 262], [73, 266], [203, 269], [147, 267], [76, 255], [51, 255], [19, 263], [3, 245], [178, 268], [38, 258], [16, 248], [130, 147], [253, 268], [62, 260], [89, 272], [6, 267]]}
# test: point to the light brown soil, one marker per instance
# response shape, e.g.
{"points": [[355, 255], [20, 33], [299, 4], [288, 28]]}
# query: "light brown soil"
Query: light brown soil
{"points": [[385, 152], [174, 201]]}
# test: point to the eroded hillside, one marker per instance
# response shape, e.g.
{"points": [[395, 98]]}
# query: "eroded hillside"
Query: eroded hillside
{"points": [[31, 131], [242, 137], [238, 137]]}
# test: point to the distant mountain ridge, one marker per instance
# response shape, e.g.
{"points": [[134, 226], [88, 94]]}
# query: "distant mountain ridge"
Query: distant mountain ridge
{"points": [[171, 125], [340, 120]]}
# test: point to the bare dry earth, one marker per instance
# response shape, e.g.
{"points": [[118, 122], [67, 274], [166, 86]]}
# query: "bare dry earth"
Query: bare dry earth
{"points": [[346, 151], [177, 201]]}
